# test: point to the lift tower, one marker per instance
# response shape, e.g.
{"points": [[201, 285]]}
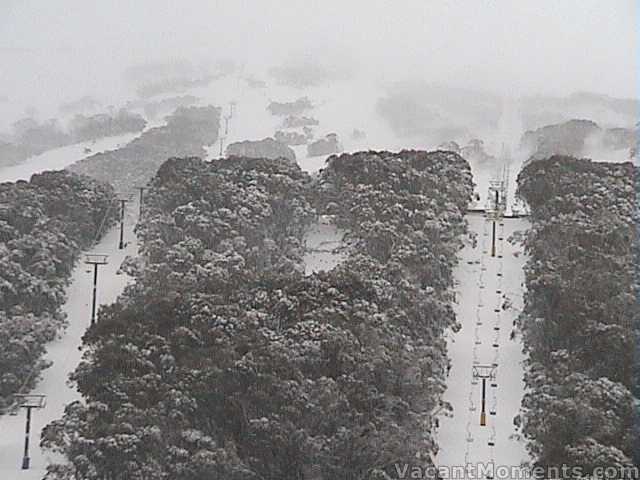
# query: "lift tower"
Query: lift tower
{"points": [[28, 402], [484, 372], [496, 205], [95, 260]]}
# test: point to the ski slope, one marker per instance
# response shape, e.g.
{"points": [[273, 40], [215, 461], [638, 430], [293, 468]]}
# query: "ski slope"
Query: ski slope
{"points": [[65, 355], [60, 158], [489, 293]]}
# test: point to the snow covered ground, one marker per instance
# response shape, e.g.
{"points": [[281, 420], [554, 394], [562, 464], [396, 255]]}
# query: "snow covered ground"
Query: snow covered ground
{"points": [[60, 158], [323, 243], [65, 355], [489, 297]]}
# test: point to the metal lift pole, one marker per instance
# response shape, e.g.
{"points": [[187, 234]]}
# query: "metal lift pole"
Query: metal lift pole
{"points": [[493, 239], [29, 402], [484, 372], [122, 203], [497, 212], [95, 290], [25, 458], [95, 260], [483, 415]]}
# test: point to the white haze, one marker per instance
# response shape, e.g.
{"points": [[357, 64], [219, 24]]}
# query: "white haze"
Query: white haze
{"points": [[59, 51]]}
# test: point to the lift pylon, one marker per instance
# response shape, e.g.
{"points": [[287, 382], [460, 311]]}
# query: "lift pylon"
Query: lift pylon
{"points": [[484, 372], [28, 402], [95, 260]]}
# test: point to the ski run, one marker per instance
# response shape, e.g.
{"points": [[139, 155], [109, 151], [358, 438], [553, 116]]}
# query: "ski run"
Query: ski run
{"points": [[489, 294]]}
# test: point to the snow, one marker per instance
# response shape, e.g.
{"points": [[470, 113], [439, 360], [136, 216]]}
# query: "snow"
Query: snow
{"points": [[461, 438], [65, 354], [323, 242], [60, 158]]}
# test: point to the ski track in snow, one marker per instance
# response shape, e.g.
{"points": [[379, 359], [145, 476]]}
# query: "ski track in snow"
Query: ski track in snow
{"points": [[483, 285]]}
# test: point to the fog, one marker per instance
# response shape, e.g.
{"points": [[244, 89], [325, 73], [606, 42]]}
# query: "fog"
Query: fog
{"points": [[69, 51]]}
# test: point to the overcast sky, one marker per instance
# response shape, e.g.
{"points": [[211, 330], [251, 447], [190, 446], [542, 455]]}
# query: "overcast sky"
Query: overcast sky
{"points": [[56, 50]]}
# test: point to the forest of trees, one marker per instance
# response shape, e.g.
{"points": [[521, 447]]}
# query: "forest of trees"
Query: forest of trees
{"points": [[580, 321], [328, 145], [224, 360], [265, 148], [576, 138], [285, 109], [294, 138], [187, 132], [30, 137], [297, 122], [44, 225], [83, 128]]}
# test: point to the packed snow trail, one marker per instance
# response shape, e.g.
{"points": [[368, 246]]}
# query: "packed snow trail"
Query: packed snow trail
{"points": [[489, 298], [65, 354]]}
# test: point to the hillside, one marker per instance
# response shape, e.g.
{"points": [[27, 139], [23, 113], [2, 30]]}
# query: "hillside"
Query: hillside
{"points": [[186, 132]]}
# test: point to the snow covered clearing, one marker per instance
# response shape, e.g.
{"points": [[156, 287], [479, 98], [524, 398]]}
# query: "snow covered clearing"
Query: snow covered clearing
{"points": [[323, 246]]}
